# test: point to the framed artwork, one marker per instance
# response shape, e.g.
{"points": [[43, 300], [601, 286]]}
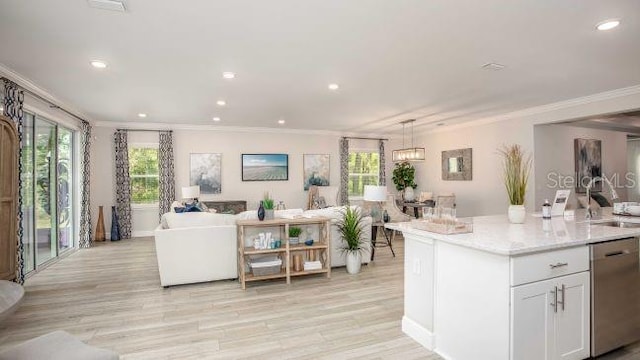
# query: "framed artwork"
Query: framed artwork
{"points": [[588, 156], [456, 164], [206, 171], [315, 170], [265, 167]]}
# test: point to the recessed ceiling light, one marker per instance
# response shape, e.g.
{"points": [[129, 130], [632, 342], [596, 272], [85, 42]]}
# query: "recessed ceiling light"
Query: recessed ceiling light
{"points": [[228, 75], [98, 64], [221, 103], [142, 115], [281, 121], [216, 118], [333, 86], [608, 24], [493, 66]]}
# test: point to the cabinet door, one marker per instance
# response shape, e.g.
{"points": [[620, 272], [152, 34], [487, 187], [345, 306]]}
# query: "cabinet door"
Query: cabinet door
{"points": [[532, 316], [572, 321]]}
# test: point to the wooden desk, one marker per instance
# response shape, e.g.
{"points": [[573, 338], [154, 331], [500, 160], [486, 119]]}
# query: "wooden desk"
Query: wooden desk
{"points": [[417, 206]]}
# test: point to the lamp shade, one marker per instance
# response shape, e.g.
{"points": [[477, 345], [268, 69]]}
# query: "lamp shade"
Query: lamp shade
{"points": [[411, 154], [375, 193], [190, 192]]}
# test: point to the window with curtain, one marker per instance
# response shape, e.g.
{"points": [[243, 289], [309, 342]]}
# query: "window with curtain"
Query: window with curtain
{"points": [[363, 170], [143, 172]]}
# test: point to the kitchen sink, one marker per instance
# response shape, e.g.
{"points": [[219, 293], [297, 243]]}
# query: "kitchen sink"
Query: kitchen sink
{"points": [[618, 224]]}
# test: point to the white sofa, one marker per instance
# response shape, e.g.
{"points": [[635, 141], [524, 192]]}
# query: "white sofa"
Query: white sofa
{"points": [[199, 247]]}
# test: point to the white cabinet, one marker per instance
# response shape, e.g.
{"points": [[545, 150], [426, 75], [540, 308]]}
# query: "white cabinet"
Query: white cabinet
{"points": [[550, 318]]}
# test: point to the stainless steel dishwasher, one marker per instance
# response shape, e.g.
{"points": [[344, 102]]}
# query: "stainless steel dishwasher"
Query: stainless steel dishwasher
{"points": [[615, 295]]}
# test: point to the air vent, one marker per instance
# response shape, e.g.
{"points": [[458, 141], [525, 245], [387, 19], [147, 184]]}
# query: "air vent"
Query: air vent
{"points": [[493, 66], [110, 5]]}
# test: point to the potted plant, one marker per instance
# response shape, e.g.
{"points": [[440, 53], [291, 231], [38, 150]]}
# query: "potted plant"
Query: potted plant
{"points": [[267, 203], [294, 235], [404, 178], [350, 228], [516, 165]]}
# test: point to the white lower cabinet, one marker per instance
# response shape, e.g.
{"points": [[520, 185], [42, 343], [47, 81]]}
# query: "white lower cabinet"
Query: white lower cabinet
{"points": [[550, 318]]}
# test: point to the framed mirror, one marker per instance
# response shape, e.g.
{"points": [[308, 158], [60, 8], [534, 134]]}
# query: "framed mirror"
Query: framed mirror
{"points": [[456, 164]]}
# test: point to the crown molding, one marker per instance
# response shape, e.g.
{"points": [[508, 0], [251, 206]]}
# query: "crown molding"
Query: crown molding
{"points": [[542, 109], [28, 84], [235, 129]]}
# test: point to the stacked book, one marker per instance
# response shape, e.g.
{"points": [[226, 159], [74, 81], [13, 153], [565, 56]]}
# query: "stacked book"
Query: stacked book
{"points": [[312, 265]]}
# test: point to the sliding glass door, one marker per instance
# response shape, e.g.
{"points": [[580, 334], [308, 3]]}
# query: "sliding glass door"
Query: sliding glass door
{"points": [[47, 191]]}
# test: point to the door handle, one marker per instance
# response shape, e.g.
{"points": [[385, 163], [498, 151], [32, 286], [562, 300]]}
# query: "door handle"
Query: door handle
{"points": [[557, 265], [555, 299], [562, 289]]}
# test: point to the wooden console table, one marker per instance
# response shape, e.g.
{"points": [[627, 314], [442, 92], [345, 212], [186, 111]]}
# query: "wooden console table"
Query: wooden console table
{"points": [[280, 229]]}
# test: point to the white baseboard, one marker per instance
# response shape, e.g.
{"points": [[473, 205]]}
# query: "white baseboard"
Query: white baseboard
{"points": [[418, 333], [135, 234]]}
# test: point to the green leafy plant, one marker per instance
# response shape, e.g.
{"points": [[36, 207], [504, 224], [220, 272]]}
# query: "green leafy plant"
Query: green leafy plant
{"points": [[350, 228], [267, 202], [404, 176], [516, 165], [294, 231]]}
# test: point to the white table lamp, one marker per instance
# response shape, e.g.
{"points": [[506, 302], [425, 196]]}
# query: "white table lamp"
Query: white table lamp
{"points": [[191, 192], [376, 194]]}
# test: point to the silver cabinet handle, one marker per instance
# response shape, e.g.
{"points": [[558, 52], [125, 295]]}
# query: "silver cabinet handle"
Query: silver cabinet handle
{"points": [[557, 265], [555, 299], [563, 297]]}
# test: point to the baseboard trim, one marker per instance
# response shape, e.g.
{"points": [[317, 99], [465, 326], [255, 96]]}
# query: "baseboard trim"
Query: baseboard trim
{"points": [[141, 233], [418, 333]]}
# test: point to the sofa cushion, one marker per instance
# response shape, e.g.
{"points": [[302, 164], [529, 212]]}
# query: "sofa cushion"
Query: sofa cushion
{"points": [[196, 219]]}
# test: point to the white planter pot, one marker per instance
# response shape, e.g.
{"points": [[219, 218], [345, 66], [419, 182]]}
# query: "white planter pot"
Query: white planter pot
{"points": [[354, 261], [516, 214], [409, 195]]}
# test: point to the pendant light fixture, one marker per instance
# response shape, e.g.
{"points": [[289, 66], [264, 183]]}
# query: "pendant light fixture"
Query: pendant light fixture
{"points": [[408, 154]]}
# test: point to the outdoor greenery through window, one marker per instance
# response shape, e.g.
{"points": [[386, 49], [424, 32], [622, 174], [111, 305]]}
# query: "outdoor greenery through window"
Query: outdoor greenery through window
{"points": [[143, 172], [363, 170]]}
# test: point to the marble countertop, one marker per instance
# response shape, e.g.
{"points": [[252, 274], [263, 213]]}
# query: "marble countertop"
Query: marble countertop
{"points": [[496, 235]]}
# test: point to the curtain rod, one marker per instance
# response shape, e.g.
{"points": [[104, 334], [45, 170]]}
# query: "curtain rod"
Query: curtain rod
{"points": [[363, 138], [151, 130], [51, 104]]}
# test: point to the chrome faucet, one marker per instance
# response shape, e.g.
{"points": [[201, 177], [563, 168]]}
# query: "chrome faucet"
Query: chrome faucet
{"points": [[614, 193]]}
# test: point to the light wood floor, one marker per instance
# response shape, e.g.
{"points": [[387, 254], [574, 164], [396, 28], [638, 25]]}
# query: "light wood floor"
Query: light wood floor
{"points": [[110, 296]]}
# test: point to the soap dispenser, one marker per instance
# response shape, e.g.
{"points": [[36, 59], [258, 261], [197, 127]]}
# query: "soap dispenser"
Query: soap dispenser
{"points": [[546, 209]]}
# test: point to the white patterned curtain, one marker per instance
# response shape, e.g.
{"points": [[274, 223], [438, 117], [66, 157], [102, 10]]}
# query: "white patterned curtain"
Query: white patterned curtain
{"points": [[167, 184], [382, 171], [123, 183], [13, 109], [86, 238], [344, 171]]}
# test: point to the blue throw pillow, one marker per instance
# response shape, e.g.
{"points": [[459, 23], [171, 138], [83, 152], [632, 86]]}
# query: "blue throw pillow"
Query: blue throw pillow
{"points": [[179, 209], [192, 208]]}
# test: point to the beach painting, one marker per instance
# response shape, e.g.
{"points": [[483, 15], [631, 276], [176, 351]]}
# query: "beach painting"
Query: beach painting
{"points": [[316, 170], [206, 172], [265, 167]]}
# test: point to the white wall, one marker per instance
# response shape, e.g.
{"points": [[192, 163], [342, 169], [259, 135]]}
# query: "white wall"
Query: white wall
{"points": [[554, 155], [231, 144]]}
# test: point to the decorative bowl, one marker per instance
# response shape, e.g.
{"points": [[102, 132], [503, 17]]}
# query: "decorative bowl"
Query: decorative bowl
{"points": [[309, 242], [634, 210]]}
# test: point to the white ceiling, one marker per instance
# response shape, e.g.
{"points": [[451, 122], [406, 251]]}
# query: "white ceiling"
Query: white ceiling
{"points": [[393, 59]]}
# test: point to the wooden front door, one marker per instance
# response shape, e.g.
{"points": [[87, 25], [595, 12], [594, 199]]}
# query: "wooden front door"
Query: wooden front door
{"points": [[9, 152]]}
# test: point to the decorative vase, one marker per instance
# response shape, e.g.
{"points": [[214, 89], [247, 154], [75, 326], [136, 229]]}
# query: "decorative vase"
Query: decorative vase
{"points": [[409, 195], [268, 214], [354, 261], [115, 227], [385, 217], [516, 214], [261, 212], [100, 234]]}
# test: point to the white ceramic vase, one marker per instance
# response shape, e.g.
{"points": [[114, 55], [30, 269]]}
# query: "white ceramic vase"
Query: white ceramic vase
{"points": [[409, 195], [354, 261], [516, 214]]}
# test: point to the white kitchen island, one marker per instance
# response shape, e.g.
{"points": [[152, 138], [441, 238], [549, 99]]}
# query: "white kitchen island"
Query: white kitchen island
{"points": [[505, 291]]}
